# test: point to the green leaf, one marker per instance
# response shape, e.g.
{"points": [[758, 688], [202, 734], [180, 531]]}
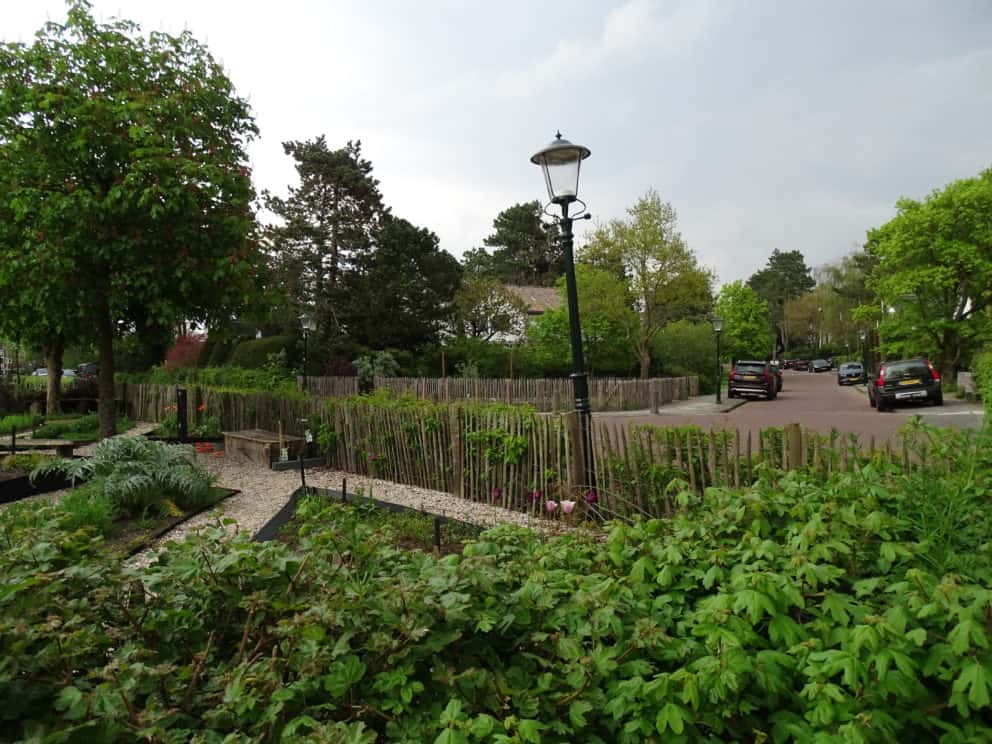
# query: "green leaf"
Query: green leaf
{"points": [[577, 713], [345, 672], [70, 700], [917, 636], [530, 730], [482, 725], [451, 736], [976, 680], [671, 717]]}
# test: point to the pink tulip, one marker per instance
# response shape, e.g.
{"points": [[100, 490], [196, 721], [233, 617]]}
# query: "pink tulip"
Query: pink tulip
{"points": [[551, 506], [592, 497], [496, 493], [567, 506], [534, 495]]}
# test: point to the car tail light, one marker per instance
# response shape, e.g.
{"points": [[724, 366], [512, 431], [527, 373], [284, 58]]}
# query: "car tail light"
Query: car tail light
{"points": [[768, 376], [936, 377], [730, 377], [880, 382]]}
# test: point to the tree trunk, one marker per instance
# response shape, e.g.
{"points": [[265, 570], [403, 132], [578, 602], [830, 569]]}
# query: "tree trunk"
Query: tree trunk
{"points": [[645, 357], [53, 362], [107, 406]]}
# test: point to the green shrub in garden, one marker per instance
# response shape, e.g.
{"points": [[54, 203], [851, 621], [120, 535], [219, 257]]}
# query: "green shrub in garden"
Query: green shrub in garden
{"points": [[795, 610], [982, 368], [139, 475]]}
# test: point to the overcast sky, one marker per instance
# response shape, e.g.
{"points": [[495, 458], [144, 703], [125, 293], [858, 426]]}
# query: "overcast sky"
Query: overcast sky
{"points": [[791, 125]]}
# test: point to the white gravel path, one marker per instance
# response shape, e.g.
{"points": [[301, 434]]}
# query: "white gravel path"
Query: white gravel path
{"points": [[264, 492]]}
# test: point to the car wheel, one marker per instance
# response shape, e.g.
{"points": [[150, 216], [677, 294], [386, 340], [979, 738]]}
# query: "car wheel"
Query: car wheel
{"points": [[939, 400], [871, 400], [880, 405]]}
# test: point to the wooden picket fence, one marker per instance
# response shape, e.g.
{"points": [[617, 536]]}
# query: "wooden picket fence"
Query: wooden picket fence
{"points": [[547, 394], [518, 459]]}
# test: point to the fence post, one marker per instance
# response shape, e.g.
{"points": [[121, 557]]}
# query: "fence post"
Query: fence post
{"points": [[653, 392], [457, 455], [181, 413], [794, 436], [576, 472]]}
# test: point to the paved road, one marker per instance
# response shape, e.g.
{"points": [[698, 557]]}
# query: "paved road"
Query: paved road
{"points": [[816, 402]]}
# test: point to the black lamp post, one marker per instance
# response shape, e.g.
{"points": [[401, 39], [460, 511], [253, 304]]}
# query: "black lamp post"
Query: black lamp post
{"points": [[717, 329], [863, 335], [308, 325], [561, 162]]}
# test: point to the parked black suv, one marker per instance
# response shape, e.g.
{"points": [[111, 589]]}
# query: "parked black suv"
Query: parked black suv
{"points": [[904, 381], [752, 378]]}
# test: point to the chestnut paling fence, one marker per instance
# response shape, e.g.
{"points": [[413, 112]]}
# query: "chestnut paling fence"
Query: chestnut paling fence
{"points": [[518, 459], [546, 394]]}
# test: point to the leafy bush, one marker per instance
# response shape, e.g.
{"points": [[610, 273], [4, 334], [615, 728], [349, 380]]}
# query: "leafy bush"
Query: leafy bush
{"points": [[80, 428], [254, 354], [19, 422], [87, 506], [234, 379], [687, 348], [791, 611], [139, 475], [379, 364], [25, 462], [982, 370]]}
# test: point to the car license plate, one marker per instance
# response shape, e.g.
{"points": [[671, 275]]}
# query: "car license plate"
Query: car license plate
{"points": [[911, 394], [910, 382], [750, 377]]}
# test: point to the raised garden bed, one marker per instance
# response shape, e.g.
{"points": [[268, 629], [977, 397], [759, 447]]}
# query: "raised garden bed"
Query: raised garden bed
{"points": [[261, 447], [410, 529], [16, 484], [131, 536]]}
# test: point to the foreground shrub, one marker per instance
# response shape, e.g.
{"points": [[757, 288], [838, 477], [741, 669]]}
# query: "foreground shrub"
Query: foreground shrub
{"points": [[791, 611], [77, 427]]}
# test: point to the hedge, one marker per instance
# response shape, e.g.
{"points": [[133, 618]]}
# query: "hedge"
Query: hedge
{"points": [[254, 354]]}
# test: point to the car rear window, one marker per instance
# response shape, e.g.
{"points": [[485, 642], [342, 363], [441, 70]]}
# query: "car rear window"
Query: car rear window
{"points": [[750, 367], [850, 367], [906, 370]]}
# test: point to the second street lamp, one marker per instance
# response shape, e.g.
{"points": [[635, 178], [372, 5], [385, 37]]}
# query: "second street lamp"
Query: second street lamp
{"points": [[561, 161], [717, 329]]}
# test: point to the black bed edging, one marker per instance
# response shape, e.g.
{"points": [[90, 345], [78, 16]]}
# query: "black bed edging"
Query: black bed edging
{"points": [[15, 489], [218, 442], [271, 528], [146, 542]]}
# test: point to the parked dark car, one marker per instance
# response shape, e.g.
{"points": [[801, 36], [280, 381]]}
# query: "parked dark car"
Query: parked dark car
{"points": [[752, 378], [777, 371], [851, 373], [819, 365], [905, 381], [88, 371], [800, 365]]}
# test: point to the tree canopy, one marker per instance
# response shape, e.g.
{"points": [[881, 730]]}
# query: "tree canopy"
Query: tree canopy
{"points": [[934, 272], [745, 322], [123, 181], [525, 251], [399, 295], [785, 277], [665, 281]]}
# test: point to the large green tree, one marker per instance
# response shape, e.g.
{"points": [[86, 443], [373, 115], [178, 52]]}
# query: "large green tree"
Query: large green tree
{"points": [[785, 277], [934, 273], [123, 180], [399, 295], [745, 322], [524, 250], [329, 218], [665, 281]]}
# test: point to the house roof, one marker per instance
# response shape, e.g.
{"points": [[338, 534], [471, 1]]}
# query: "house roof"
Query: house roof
{"points": [[538, 299]]}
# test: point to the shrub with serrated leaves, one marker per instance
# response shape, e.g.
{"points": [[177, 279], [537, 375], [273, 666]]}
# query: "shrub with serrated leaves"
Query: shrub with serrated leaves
{"points": [[795, 610], [139, 475]]}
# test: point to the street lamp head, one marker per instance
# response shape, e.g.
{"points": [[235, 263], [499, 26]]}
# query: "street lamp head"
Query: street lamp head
{"points": [[561, 161], [308, 323], [862, 334], [717, 324]]}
